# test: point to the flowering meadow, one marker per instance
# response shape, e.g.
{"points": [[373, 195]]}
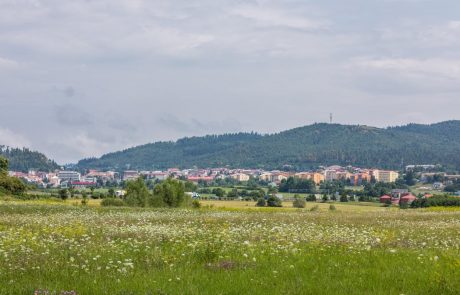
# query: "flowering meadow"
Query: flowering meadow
{"points": [[61, 248]]}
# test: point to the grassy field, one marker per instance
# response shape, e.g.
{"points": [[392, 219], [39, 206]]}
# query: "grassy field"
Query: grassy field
{"points": [[237, 249]]}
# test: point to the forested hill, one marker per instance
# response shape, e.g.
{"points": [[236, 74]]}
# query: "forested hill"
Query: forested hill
{"points": [[302, 148], [25, 159]]}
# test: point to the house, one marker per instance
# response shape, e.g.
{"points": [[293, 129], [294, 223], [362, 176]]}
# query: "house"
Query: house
{"points": [[130, 175], [438, 186], [388, 176], [240, 177], [407, 199], [330, 175], [64, 184], [316, 177], [398, 193], [267, 176], [278, 177], [358, 178], [385, 199], [69, 176]]}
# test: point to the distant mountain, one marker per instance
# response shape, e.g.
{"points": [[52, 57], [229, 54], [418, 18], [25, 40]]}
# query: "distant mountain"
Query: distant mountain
{"points": [[301, 148], [25, 159]]}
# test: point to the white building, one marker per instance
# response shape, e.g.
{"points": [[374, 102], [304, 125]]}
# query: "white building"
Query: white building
{"points": [[69, 176]]}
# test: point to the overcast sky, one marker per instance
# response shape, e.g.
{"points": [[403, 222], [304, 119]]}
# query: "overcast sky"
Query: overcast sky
{"points": [[84, 77]]}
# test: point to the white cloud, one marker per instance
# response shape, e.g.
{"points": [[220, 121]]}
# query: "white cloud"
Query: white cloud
{"points": [[8, 63], [276, 17], [435, 67], [12, 139]]}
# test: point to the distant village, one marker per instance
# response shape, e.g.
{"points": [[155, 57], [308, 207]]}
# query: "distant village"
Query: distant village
{"points": [[350, 176], [355, 176], [65, 179]]}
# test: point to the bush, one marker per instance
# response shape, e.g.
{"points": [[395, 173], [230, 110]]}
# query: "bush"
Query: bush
{"points": [[172, 192], [403, 205], [273, 201], [261, 202], [196, 204], [112, 202], [298, 202], [311, 198], [343, 198], [437, 201], [64, 194], [12, 185]]}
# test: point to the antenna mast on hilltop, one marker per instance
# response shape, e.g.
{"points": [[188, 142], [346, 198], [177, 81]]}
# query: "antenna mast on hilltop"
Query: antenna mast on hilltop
{"points": [[330, 118]]}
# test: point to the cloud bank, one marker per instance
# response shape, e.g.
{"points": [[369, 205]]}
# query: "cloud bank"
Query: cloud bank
{"points": [[82, 78]]}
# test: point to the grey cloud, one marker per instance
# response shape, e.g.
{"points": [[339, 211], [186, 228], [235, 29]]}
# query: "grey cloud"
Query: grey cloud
{"points": [[81, 78], [72, 115], [198, 126]]}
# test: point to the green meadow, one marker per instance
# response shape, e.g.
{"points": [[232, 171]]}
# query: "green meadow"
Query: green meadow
{"points": [[58, 247]]}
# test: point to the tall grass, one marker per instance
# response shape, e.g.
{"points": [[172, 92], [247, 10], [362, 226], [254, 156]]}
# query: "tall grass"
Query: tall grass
{"points": [[212, 251]]}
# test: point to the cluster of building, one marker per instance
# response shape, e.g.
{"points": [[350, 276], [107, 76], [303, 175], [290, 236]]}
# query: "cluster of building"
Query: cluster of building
{"points": [[64, 179]]}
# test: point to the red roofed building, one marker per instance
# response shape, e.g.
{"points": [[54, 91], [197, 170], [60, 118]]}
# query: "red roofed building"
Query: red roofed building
{"points": [[385, 199], [82, 184], [408, 199]]}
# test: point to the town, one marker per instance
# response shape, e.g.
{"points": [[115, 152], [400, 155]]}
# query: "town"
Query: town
{"points": [[429, 180], [67, 178]]}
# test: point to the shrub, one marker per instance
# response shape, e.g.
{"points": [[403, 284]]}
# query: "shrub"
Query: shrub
{"points": [[343, 198], [273, 201], [299, 202], [314, 208], [112, 202], [84, 200], [403, 205], [63, 194], [261, 202], [171, 191], [12, 185], [437, 201], [137, 193], [311, 198], [196, 204]]}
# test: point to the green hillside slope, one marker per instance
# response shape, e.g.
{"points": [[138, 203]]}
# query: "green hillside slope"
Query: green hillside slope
{"points": [[302, 148]]}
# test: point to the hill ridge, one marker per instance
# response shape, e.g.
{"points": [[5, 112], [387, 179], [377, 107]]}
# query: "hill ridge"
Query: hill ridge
{"points": [[302, 147]]}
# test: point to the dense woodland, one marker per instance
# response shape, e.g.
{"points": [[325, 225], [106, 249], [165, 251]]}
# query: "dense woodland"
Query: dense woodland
{"points": [[299, 148], [25, 159]]}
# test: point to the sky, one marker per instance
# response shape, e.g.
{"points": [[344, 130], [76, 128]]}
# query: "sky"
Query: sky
{"points": [[82, 78]]}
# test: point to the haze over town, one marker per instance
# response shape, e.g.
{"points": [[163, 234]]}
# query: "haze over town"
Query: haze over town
{"points": [[83, 78]]}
